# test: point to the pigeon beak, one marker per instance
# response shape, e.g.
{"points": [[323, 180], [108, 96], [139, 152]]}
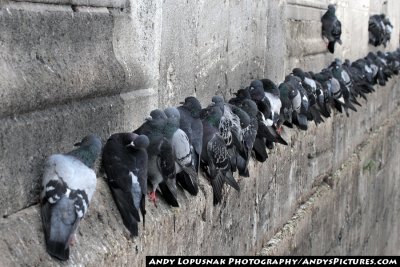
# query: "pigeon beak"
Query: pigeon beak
{"points": [[131, 144], [148, 118], [182, 103], [78, 144]]}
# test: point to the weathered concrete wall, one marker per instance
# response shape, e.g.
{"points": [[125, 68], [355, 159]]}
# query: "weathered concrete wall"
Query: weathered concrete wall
{"points": [[68, 68]]}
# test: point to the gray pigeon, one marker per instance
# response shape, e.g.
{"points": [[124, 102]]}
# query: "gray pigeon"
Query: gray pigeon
{"points": [[161, 164], [190, 123], [124, 160], [68, 185], [331, 28], [184, 162]]}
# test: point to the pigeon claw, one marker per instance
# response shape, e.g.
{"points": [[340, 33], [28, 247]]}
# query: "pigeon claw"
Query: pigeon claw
{"points": [[72, 240], [153, 198], [279, 130]]}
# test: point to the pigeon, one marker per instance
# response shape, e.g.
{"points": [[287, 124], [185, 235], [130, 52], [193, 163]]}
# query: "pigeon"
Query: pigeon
{"points": [[190, 123], [388, 29], [161, 160], [250, 132], [184, 161], [286, 90], [299, 117], [335, 89], [376, 30], [310, 87], [257, 94], [231, 126], [240, 96], [360, 85], [215, 160], [272, 93], [258, 146], [346, 85], [69, 182], [331, 28], [125, 160]]}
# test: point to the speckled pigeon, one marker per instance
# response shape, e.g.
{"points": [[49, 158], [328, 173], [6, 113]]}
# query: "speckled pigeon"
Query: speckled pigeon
{"points": [[125, 160], [68, 185], [215, 160], [231, 126]]}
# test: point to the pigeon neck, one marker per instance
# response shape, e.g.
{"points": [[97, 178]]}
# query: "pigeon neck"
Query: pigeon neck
{"points": [[87, 155]]}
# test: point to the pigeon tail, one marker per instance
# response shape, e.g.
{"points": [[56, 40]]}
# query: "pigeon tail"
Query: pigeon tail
{"points": [[242, 166], [231, 181], [217, 183], [302, 122], [58, 250], [259, 150], [129, 213], [187, 183], [331, 46], [169, 193]]}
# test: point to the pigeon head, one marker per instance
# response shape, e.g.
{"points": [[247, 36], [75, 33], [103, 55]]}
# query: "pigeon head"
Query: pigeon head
{"points": [[299, 73], [338, 62], [257, 90], [327, 73], [243, 94], [88, 150], [126, 139], [331, 8], [193, 105], [250, 107], [270, 87], [141, 142], [212, 115], [173, 115], [158, 114]]}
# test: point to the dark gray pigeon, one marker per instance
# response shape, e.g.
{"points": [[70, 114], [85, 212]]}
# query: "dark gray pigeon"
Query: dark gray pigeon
{"points": [[124, 160], [184, 161], [161, 162], [250, 132], [331, 28], [68, 185]]}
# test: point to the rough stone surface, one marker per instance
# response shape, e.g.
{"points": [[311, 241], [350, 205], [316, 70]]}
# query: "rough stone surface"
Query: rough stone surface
{"points": [[68, 68]]}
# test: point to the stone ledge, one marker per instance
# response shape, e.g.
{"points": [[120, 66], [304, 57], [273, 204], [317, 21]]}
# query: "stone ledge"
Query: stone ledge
{"points": [[91, 3], [245, 221]]}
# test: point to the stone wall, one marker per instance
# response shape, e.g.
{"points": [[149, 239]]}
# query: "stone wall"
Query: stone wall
{"points": [[73, 67]]}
